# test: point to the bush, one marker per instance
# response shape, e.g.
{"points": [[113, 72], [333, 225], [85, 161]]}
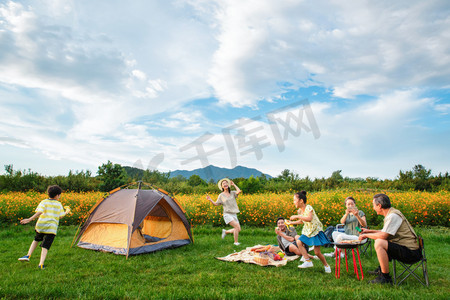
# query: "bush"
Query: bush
{"points": [[421, 208]]}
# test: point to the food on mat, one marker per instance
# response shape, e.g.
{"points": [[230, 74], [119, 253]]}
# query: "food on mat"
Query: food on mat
{"points": [[260, 248]]}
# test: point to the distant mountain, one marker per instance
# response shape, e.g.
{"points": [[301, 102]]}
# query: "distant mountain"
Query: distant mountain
{"points": [[207, 173], [216, 173]]}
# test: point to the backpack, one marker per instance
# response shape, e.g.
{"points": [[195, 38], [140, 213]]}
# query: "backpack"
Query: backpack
{"points": [[328, 232]]}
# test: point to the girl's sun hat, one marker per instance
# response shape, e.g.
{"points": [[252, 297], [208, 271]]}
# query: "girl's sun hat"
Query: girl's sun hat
{"points": [[219, 184]]}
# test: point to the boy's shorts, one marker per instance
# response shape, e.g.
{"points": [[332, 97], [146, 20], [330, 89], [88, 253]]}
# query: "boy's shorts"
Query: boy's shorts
{"points": [[45, 238]]}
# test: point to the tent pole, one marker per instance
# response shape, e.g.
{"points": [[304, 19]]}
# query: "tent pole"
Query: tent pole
{"points": [[73, 241], [128, 242]]}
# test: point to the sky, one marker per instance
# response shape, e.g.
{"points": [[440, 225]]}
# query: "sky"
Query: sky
{"points": [[309, 86]]}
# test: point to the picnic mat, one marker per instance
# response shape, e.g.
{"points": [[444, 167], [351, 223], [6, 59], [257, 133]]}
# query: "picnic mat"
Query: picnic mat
{"points": [[251, 257]]}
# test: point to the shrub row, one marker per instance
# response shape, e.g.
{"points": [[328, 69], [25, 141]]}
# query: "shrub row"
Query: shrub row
{"points": [[421, 208]]}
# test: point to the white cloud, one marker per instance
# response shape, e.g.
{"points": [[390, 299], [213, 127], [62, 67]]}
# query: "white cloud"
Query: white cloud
{"points": [[187, 121], [354, 48], [84, 72], [139, 74], [365, 139], [443, 108], [121, 85], [13, 142], [376, 138], [16, 19]]}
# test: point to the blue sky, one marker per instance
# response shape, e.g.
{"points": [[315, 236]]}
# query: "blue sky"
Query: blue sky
{"points": [[361, 87]]}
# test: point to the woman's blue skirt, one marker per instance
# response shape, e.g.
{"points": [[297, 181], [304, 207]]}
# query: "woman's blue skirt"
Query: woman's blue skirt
{"points": [[318, 240]]}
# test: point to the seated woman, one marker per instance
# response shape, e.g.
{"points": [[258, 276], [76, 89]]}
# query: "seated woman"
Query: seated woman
{"points": [[353, 217]]}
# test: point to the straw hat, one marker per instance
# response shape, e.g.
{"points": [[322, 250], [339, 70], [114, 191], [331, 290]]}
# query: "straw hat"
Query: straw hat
{"points": [[219, 184]]}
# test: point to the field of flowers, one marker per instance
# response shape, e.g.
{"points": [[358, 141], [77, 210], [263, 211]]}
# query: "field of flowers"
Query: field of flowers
{"points": [[421, 208], [15, 206]]}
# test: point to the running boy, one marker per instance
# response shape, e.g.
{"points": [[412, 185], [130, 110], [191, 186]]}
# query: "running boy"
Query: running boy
{"points": [[49, 212]]}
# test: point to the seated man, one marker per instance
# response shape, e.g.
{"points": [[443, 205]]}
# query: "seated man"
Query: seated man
{"points": [[397, 240], [287, 238]]}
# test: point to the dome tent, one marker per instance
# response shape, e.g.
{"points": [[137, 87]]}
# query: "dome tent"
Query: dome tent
{"points": [[135, 221]]}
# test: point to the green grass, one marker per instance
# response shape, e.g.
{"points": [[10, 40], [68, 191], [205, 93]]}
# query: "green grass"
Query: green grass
{"points": [[193, 272]]}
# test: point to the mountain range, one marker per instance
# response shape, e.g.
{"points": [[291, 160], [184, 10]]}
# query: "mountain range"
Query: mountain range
{"points": [[207, 173], [217, 173]]}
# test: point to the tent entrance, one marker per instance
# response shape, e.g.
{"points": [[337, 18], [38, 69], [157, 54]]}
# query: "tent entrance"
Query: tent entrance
{"points": [[157, 225], [109, 237]]}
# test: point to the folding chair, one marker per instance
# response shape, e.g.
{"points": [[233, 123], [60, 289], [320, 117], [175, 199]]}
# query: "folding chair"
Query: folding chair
{"points": [[340, 228], [366, 248], [411, 268]]}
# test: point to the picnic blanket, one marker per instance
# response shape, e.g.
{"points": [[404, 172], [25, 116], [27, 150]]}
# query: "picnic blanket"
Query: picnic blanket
{"points": [[250, 257]]}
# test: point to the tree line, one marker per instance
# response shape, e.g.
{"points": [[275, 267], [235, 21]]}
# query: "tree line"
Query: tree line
{"points": [[110, 176]]}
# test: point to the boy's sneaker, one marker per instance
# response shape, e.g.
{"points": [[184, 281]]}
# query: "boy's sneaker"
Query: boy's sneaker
{"points": [[377, 271], [306, 264], [331, 254], [327, 269], [224, 233], [302, 259], [41, 267], [382, 279], [237, 244], [315, 257], [25, 258]]}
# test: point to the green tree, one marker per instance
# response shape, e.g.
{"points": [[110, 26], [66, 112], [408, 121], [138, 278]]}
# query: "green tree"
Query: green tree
{"points": [[22, 180], [288, 176], [337, 176], [111, 176], [177, 179], [334, 181], [421, 177], [420, 172], [405, 181], [155, 177], [196, 180], [304, 184], [251, 185]]}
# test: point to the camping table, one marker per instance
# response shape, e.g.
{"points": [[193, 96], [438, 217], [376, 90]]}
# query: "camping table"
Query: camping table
{"points": [[338, 250]]}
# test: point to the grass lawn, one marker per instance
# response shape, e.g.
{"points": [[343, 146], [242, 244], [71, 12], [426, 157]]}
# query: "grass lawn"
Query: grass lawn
{"points": [[193, 272]]}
